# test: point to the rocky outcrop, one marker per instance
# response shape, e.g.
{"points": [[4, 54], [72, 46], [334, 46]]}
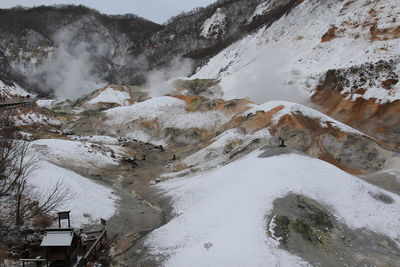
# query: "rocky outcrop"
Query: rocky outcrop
{"points": [[343, 147], [350, 151], [199, 87], [364, 97], [215, 27], [310, 230]]}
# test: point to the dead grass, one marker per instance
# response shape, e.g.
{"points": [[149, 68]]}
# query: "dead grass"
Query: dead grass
{"points": [[329, 35]]}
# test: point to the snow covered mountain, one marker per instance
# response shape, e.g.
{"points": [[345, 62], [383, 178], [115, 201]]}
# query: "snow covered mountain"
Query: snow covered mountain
{"points": [[201, 160], [342, 54]]}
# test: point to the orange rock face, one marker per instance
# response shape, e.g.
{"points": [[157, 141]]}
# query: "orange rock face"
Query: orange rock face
{"points": [[378, 120]]}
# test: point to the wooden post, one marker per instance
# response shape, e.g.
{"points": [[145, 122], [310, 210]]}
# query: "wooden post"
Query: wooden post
{"points": [[62, 216]]}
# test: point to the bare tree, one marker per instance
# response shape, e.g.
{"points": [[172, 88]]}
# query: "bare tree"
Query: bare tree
{"points": [[29, 204], [8, 154], [16, 160], [17, 163], [24, 165]]}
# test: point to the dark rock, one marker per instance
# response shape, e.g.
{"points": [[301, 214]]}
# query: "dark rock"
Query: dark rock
{"points": [[308, 229]]}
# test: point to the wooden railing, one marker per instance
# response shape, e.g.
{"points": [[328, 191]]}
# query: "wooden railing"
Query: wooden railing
{"points": [[93, 249], [14, 104]]}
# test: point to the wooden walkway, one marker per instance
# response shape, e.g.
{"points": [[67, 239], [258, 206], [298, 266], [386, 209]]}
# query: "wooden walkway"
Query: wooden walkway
{"points": [[16, 104]]}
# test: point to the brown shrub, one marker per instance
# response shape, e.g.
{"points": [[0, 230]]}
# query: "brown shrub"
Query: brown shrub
{"points": [[43, 221]]}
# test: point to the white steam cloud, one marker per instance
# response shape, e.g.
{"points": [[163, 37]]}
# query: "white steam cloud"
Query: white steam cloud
{"points": [[159, 81], [69, 71], [267, 78]]}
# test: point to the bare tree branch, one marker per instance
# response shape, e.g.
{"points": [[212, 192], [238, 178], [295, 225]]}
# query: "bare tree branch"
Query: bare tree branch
{"points": [[17, 163]]}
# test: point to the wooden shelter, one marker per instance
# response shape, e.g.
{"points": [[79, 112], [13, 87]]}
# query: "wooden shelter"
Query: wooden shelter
{"points": [[61, 246]]}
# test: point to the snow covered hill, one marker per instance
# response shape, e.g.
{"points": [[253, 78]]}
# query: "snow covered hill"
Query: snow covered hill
{"points": [[88, 201], [222, 216]]}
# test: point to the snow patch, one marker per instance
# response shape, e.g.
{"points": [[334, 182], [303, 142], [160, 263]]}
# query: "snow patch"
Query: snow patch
{"points": [[80, 153], [110, 95], [89, 201], [31, 118], [215, 154], [261, 9], [215, 26], [45, 103], [13, 91]]}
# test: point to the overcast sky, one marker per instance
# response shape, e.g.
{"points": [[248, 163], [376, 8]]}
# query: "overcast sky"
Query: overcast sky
{"points": [[155, 10]]}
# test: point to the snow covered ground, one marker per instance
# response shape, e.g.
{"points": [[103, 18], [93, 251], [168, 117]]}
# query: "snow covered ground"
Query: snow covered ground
{"points": [[221, 215], [13, 90], [45, 103], [89, 201], [272, 63], [102, 139], [163, 112], [83, 154], [23, 118], [292, 108], [110, 95], [170, 111], [214, 154]]}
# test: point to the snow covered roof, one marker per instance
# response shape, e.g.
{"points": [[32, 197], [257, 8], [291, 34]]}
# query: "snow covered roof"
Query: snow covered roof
{"points": [[57, 238]]}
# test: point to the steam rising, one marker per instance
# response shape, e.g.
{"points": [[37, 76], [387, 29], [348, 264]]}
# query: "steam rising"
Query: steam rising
{"points": [[69, 71], [159, 82], [268, 78]]}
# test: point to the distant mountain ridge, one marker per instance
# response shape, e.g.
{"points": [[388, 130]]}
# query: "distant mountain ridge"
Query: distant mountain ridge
{"points": [[121, 48], [30, 35]]}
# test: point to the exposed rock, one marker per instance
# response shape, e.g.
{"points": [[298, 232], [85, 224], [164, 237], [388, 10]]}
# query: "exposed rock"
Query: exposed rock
{"points": [[350, 95], [214, 27], [205, 87], [309, 229], [182, 137], [350, 151], [382, 197]]}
